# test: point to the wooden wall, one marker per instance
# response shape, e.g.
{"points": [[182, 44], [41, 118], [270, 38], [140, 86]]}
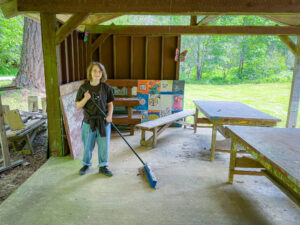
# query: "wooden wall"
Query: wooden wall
{"points": [[124, 57]]}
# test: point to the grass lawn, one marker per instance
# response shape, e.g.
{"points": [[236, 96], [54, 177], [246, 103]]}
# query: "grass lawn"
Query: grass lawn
{"points": [[271, 98]]}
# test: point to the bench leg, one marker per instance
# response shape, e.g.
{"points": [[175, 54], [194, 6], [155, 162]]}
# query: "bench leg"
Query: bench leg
{"points": [[154, 139], [29, 146], [195, 120]]}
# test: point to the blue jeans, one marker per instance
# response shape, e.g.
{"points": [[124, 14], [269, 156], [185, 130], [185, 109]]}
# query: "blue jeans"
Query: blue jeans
{"points": [[89, 139]]}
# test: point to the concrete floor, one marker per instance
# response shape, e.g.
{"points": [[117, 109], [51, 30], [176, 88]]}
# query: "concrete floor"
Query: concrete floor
{"points": [[191, 189]]}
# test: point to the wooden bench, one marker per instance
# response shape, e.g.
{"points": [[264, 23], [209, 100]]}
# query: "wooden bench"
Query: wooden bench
{"points": [[131, 118], [27, 134], [159, 125]]}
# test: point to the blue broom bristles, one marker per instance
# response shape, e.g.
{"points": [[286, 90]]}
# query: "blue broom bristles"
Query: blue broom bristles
{"points": [[150, 175]]}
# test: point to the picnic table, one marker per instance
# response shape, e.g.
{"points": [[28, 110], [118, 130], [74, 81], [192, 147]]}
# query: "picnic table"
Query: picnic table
{"points": [[221, 113], [275, 149]]}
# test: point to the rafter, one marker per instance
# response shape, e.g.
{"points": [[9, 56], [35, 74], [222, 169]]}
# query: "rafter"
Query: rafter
{"points": [[204, 30], [99, 41], [289, 43], [207, 20], [190, 7], [69, 26], [9, 8]]}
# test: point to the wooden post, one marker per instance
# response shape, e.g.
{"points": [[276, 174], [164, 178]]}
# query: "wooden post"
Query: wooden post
{"points": [[178, 62], [146, 57], [295, 92], [115, 56], [44, 105], [4, 144], [33, 104], [51, 83], [162, 59]]}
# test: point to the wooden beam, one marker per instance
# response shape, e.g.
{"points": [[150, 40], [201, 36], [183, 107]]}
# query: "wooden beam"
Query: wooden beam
{"points": [[194, 30], [191, 7], [97, 19], [193, 21], [289, 43], [69, 26], [178, 63], [99, 41], [51, 83], [9, 8], [207, 20], [295, 92]]}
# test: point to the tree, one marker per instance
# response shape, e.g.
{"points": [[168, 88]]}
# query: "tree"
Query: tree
{"points": [[31, 73]]}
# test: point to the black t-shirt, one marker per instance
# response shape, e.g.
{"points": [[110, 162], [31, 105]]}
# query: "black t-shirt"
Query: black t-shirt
{"points": [[102, 94]]}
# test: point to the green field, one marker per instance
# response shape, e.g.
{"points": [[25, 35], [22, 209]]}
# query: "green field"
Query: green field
{"points": [[271, 98]]}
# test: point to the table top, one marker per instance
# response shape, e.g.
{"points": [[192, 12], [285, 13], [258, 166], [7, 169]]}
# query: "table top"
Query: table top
{"points": [[232, 110], [279, 146]]}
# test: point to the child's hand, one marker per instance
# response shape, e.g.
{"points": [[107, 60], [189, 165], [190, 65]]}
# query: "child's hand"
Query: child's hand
{"points": [[108, 119], [87, 95]]}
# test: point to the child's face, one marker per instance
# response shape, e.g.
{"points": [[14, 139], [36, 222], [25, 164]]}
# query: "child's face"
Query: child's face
{"points": [[96, 73]]}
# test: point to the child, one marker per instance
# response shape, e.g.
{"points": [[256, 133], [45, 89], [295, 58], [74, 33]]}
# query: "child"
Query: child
{"points": [[95, 127]]}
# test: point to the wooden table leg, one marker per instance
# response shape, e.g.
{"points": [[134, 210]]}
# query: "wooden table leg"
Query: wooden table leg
{"points": [[195, 120], [154, 141], [131, 129], [232, 161], [213, 141], [143, 136]]}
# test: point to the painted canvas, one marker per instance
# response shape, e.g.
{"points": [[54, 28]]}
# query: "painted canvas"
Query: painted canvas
{"points": [[159, 98]]}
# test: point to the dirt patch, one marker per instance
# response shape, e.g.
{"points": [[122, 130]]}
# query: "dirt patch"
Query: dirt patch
{"points": [[11, 179]]}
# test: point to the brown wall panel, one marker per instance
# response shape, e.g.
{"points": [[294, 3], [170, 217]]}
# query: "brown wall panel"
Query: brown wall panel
{"points": [[70, 58], [169, 67], [122, 57], [154, 58], [64, 69], [106, 56], [76, 55], [139, 58], [80, 50], [84, 60]]}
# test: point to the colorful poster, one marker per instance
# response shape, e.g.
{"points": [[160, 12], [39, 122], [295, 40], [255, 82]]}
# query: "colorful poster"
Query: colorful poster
{"points": [[177, 102], [178, 87], [144, 101], [154, 86], [154, 102], [153, 114], [143, 87], [166, 87], [144, 114], [165, 112]]}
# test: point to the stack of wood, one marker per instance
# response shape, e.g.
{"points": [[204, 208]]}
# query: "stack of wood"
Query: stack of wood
{"points": [[22, 127]]}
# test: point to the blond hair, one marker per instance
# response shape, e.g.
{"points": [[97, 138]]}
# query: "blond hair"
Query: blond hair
{"points": [[102, 68]]}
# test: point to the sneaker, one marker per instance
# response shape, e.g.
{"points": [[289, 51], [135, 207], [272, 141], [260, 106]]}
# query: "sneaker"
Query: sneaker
{"points": [[83, 170], [104, 170]]}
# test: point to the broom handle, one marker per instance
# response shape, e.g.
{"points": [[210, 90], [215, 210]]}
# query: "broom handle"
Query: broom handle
{"points": [[103, 114]]}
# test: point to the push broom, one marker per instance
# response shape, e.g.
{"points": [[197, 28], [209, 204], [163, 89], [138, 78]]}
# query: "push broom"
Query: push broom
{"points": [[150, 174]]}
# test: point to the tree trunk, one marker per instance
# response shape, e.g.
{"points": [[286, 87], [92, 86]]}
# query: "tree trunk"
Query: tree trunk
{"points": [[31, 73], [200, 65]]}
